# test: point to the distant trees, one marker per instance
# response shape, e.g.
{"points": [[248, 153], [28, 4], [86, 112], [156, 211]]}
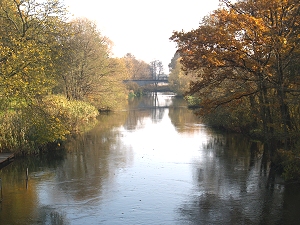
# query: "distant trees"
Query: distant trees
{"points": [[156, 68], [140, 70], [178, 81], [245, 56], [137, 69]]}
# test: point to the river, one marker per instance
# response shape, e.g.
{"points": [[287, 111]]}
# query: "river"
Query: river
{"points": [[155, 163]]}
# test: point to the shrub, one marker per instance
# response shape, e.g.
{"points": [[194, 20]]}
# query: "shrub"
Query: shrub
{"points": [[30, 127], [134, 89], [290, 162]]}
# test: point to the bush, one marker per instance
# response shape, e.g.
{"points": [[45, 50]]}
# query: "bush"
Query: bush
{"points": [[134, 89], [193, 102], [73, 113], [290, 163], [30, 127], [236, 116]]}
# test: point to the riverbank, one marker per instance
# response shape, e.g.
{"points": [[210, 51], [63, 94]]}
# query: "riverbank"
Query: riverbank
{"points": [[284, 155], [6, 158], [155, 163]]}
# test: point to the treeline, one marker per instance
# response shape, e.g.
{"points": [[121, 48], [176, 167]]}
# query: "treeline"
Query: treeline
{"points": [[55, 74], [140, 70], [243, 67]]}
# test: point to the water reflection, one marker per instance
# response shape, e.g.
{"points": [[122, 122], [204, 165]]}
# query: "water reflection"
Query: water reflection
{"points": [[230, 187], [51, 216], [93, 160], [153, 106], [152, 164], [20, 197], [182, 118]]}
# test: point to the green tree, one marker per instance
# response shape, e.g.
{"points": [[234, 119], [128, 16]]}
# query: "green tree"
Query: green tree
{"points": [[111, 92], [87, 71]]}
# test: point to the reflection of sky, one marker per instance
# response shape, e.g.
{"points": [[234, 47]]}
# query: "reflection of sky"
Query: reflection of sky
{"points": [[168, 175], [160, 176], [154, 183], [164, 141], [156, 173]]}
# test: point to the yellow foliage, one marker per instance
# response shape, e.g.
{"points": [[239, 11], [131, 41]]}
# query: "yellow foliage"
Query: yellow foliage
{"points": [[43, 121]]}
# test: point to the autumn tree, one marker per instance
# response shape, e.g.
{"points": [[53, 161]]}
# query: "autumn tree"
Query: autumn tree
{"points": [[31, 31], [174, 60], [137, 69], [111, 93], [246, 51], [178, 80], [27, 32], [84, 59]]}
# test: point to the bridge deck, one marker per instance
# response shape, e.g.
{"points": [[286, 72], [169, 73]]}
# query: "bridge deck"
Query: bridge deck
{"points": [[162, 80], [145, 82]]}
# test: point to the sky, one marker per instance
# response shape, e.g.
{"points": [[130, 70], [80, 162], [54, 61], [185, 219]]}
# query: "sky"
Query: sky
{"points": [[143, 27]]}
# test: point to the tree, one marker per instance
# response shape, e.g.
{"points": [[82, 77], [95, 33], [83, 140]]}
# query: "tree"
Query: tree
{"points": [[156, 68], [174, 60], [27, 33], [87, 72], [31, 117], [178, 80], [247, 51], [138, 69], [111, 92], [84, 59]]}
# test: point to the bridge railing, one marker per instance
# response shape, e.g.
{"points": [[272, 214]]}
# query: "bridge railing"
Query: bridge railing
{"points": [[145, 82]]}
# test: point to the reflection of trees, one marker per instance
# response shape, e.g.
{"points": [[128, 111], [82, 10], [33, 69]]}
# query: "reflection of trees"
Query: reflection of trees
{"points": [[182, 118], [154, 106], [231, 185], [135, 119], [20, 198], [51, 216], [151, 106], [159, 107], [94, 158], [291, 204]]}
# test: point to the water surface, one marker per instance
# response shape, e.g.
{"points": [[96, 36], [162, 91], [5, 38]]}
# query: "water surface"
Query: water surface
{"points": [[155, 163]]}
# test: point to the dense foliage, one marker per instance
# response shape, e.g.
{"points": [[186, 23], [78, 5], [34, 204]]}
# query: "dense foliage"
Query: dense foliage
{"points": [[178, 80], [245, 59], [55, 74]]}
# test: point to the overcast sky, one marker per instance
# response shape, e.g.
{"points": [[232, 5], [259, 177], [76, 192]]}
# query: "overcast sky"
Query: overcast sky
{"points": [[143, 27]]}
